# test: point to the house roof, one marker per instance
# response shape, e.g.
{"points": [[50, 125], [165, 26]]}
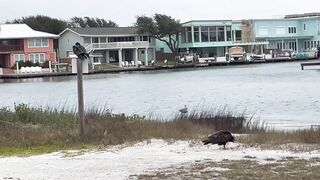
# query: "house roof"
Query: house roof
{"points": [[17, 31], [108, 31]]}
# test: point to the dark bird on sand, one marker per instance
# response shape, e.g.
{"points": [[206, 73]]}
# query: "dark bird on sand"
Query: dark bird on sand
{"points": [[80, 51], [184, 110], [220, 138]]}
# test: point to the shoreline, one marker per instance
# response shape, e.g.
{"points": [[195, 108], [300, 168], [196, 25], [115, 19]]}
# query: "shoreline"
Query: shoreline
{"points": [[135, 69]]}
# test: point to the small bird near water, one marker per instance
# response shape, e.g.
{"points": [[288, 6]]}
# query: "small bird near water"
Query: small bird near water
{"points": [[220, 138], [184, 110]]}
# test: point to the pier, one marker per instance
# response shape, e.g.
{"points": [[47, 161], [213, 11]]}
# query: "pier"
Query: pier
{"points": [[309, 64]]}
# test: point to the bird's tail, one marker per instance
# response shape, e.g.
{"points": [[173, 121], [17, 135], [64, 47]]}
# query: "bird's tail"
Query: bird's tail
{"points": [[205, 142]]}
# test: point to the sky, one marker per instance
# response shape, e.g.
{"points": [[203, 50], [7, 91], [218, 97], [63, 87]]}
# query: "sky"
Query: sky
{"points": [[124, 12]]}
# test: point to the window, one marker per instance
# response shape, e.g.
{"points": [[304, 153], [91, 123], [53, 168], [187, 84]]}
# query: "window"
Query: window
{"points": [[279, 45], [293, 45], [292, 30], [213, 34], [95, 40], [305, 45], [221, 34], [196, 34], [38, 42], [308, 44], [304, 26], [38, 57], [229, 33], [204, 34], [238, 36], [189, 34], [86, 40], [19, 57], [103, 39], [184, 35]]}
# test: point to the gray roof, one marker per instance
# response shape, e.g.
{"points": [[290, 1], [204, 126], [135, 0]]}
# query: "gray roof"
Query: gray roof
{"points": [[106, 31]]}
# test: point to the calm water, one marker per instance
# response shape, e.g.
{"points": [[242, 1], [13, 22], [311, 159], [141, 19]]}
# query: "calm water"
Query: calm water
{"points": [[280, 94]]}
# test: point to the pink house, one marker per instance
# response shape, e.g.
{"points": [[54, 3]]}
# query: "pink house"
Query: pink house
{"points": [[18, 42]]}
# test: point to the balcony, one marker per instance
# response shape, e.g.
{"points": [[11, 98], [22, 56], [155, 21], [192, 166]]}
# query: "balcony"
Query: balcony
{"points": [[118, 45], [11, 48]]}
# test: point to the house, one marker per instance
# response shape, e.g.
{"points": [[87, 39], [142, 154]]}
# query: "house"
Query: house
{"points": [[115, 45], [298, 32], [210, 38], [18, 42]]}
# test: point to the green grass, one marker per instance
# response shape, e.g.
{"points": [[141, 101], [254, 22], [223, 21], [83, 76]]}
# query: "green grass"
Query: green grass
{"points": [[106, 67]]}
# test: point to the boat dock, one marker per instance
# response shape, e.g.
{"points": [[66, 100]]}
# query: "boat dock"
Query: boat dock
{"points": [[150, 68], [309, 64]]}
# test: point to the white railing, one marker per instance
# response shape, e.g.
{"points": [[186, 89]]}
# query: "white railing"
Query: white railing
{"points": [[115, 45]]}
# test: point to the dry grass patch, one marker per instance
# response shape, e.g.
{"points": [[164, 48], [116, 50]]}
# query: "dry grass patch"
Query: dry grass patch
{"points": [[241, 169]]}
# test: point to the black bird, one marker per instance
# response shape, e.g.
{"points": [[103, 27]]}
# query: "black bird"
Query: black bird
{"points": [[220, 138], [80, 51]]}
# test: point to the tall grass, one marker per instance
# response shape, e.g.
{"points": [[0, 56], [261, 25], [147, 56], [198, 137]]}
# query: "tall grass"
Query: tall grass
{"points": [[26, 126]]}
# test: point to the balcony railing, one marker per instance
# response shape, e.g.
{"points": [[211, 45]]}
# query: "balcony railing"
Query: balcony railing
{"points": [[10, 48], [115, 45]]}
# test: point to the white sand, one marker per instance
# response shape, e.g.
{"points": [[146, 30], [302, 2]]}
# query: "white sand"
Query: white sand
{"points": [[136, 159]]}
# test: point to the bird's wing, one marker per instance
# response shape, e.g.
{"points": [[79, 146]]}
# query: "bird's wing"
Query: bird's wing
{"points": [[83, 49], [224, 137], [76, 50]]}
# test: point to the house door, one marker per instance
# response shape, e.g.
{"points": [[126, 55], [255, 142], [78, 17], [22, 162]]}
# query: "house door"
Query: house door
{"points": [[4, 60]]}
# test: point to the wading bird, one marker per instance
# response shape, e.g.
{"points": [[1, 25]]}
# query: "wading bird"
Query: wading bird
{"points": [[184, 110]]}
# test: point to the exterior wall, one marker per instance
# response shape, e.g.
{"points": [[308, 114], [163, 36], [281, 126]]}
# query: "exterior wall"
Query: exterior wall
{"points": [[48, 51], [66, 41], [307, 34]]}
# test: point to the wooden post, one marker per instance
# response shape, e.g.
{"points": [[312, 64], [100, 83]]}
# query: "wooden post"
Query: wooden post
{"points": [[80, 97]]}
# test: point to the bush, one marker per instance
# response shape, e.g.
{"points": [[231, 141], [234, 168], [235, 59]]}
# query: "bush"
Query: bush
{"points": [[45, 64], [29, 64]]}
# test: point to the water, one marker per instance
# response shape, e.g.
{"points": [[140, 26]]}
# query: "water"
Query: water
{"points": [[280, 93]]}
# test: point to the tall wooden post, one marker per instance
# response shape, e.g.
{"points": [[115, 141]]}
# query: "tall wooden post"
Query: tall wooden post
{"points": [[80, 97]]}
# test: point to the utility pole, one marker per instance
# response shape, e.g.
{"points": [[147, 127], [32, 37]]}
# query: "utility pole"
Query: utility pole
{"points": [[80, 97]]}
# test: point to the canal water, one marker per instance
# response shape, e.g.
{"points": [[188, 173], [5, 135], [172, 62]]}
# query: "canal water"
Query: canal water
{"points": [[280, 93]]}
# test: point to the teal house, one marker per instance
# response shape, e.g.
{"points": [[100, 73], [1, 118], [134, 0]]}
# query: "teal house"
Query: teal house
{"points": [[210, 38], [300, 32]]}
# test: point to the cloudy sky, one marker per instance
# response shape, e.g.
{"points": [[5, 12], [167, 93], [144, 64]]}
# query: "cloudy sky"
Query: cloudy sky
{"points": [[124, 12]]}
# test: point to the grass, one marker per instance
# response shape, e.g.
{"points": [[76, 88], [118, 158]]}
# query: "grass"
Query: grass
{"points": [[106, 67], [286, 168], [27, 130]]}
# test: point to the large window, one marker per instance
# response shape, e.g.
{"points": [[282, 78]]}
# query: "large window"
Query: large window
{"points": [[37, 57], [204, 34], [19, 57], [229, 33], [238, 35], [189, 34], [184, 35], [213, 34], [196, 34], [221, 34], [293, 45], [292, 30], [38, 42]]}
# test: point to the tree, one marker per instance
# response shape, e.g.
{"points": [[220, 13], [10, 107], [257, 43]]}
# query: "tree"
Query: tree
{"points": [[162, 27], [42, 23], [83, 22]]}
